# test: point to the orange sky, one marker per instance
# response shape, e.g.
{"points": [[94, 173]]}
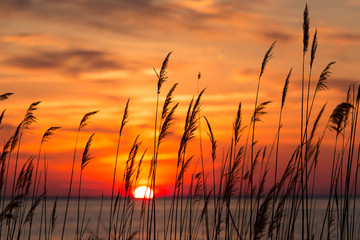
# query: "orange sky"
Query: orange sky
{"points": [[78, 56]]}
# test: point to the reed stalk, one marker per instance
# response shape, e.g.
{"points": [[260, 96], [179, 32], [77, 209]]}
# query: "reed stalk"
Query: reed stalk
{"points": [[83, 123], [123, 122]]}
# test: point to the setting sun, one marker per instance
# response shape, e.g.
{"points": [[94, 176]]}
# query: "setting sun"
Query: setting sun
{"points": [[143, 192]]}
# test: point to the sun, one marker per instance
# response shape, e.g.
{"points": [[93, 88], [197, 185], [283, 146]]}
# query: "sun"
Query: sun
{"points": [[143, 192]]}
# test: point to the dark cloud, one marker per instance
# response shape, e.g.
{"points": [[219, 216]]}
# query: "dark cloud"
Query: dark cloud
{"points": [[340, 85], [277, 35], [345, 36], [136, 17], [112, 15], [249, 71], [72, 62], [244, 5]]}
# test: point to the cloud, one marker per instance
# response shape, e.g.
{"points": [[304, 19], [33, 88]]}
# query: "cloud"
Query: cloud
{"points": [[341, 36], [346, 37], [282, 36], [206, 19], [71, 62], [353, 3], [341, 84], [30, 40]]}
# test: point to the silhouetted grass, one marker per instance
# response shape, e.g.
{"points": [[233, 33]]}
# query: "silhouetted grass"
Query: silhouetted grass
{"points": [[238, 202]]}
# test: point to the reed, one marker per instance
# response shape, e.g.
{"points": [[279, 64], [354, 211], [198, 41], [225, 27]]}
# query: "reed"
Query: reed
{"points": [[83, 123], [84, 162], [238, 191], [162, 77], [48, 133], [123, 123], [258, 110]]}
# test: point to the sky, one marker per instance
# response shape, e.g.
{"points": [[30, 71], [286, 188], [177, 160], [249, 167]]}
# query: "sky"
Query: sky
{"points": [[79, 56]]}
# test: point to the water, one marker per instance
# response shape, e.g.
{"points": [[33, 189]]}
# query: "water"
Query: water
{"points": [[163, 206]]}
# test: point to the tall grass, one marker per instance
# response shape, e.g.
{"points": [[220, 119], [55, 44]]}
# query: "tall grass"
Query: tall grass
{"points": [[83, 123], [229, 196], [123, 122]]}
